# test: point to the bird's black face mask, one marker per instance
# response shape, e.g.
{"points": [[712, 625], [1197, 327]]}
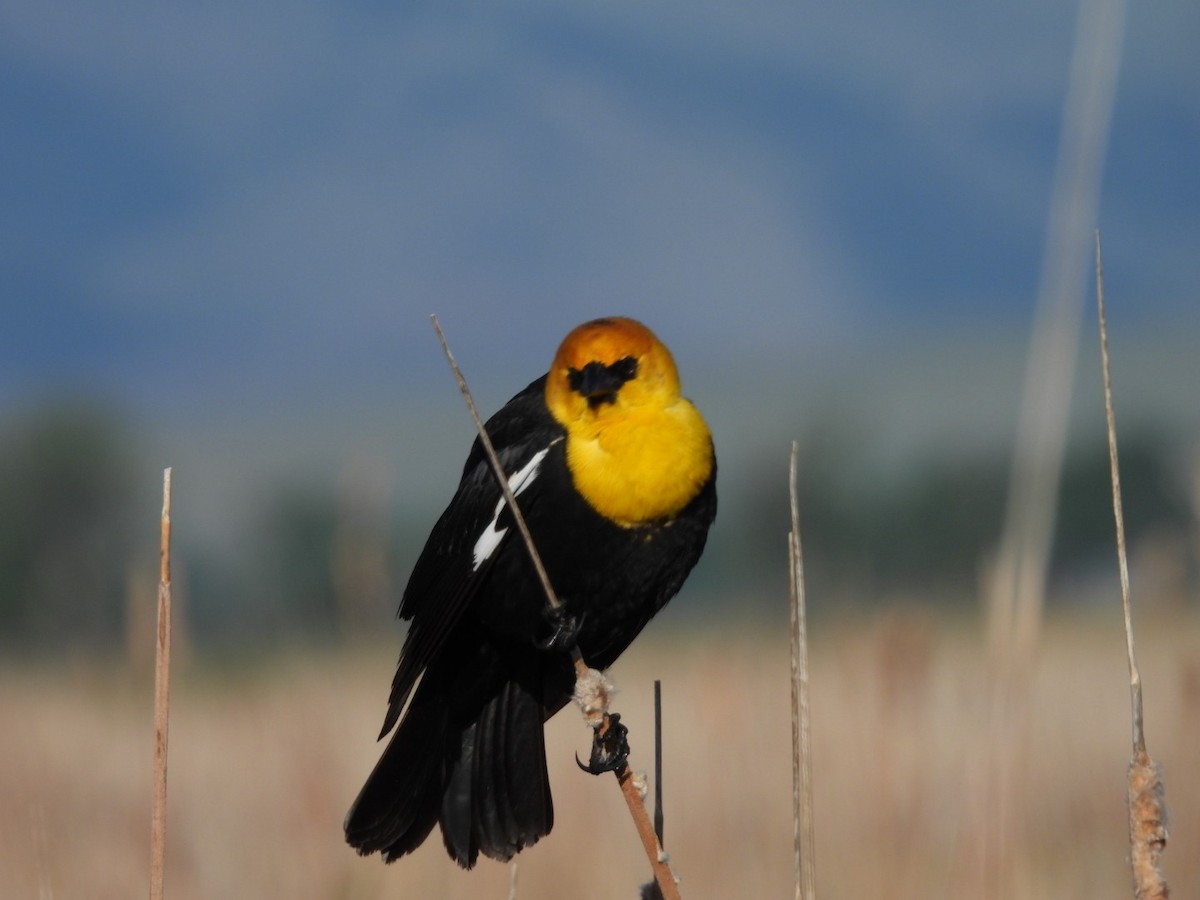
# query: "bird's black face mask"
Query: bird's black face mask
{"points": [[599, 383]]}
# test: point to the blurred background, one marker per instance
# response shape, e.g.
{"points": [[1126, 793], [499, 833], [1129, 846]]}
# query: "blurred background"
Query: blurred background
{"points": [[224, 227]]}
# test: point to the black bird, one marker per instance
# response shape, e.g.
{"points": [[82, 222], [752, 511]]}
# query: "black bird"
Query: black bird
{"points": [[615, 473]]}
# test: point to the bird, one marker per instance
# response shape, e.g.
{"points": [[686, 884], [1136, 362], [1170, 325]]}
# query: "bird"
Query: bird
{"points": [[614, 471]]}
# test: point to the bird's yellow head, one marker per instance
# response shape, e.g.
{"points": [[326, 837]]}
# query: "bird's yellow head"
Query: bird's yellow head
{"points": [[637, 450], [605, 368]]}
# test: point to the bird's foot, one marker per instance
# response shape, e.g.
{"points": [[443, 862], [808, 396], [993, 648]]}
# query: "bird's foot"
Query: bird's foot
{"points": [[610, 750], [564, 631]]}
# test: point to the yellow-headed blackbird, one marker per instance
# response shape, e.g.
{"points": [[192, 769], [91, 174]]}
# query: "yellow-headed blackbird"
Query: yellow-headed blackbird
{"points": [[616, 476]]}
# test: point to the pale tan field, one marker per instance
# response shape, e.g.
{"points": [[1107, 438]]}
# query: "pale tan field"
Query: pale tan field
{"points": [[263, 764]]}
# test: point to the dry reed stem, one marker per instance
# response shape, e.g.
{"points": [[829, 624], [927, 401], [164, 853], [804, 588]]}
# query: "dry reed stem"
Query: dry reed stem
{"points": [[501, 476], [162, 699], [803, 829], [658, 762], [1147, 804], [650, 890], [584, 675]]}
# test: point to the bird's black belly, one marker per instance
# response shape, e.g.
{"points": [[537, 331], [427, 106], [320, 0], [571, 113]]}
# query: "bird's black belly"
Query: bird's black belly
{"points": [[610, 579]]}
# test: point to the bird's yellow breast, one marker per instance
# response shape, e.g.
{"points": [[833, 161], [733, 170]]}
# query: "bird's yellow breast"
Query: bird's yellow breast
{"points": [[643, 465]]}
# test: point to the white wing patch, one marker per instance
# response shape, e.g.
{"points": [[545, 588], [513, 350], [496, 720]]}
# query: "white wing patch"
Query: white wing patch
{"points": [[517, 482]]}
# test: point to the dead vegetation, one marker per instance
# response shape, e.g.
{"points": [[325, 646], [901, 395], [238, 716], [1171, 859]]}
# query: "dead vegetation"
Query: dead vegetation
{"points": [[264, 762]]}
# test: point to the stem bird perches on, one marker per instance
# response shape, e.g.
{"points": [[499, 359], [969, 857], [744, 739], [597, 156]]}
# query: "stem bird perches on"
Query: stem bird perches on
{"points": [[1147, 804], [592, 689], [162, 698], [658, 762]]}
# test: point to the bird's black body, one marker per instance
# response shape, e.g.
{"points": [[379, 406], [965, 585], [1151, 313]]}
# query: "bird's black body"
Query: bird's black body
{"points": [[476, 670]]}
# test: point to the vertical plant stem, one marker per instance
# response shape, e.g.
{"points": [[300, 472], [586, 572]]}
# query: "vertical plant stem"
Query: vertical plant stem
{"points": [[162, 699], [512, 879], [804, 839], [1146, 794], [1135, 677], [658, 763]]}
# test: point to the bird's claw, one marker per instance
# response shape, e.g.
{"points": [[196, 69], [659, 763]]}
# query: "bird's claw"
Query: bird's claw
{"points": [[564, 631], [610, 750]]}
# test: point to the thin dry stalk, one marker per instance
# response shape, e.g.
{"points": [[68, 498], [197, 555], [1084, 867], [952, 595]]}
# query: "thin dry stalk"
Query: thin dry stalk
{"points": [[803, 831], [650, 890], [1147, 804], [162, 699], [658, 762], [589, 683]]}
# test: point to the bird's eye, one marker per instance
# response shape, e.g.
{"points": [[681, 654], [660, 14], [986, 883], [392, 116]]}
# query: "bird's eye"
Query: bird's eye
{"points": [[624, 369]]}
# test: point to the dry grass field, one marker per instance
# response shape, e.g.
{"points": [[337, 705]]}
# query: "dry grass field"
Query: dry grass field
{"points": [[264, 761]]}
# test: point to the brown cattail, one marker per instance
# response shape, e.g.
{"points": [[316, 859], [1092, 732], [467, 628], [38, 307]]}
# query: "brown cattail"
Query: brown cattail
{"points": [[1147, 827]]}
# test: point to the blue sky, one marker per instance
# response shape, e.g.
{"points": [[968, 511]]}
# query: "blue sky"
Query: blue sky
{"points": [[223, 209]]}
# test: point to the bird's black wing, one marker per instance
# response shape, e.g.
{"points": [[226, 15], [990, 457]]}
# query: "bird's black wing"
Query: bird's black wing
{"points": [[455, 561]]}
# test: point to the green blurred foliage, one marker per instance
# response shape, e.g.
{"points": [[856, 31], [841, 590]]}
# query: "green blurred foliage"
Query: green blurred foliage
{"points": [[296, 541], [926, 532], [66, 529], [78, 506], [1154, 497]]}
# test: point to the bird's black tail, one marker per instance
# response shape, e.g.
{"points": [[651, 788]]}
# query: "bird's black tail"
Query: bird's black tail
{"points": [[485, 780], [399, 804]]}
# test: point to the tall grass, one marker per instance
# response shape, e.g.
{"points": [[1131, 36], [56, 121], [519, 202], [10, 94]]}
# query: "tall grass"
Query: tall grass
{"points": [[265, 759]]}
